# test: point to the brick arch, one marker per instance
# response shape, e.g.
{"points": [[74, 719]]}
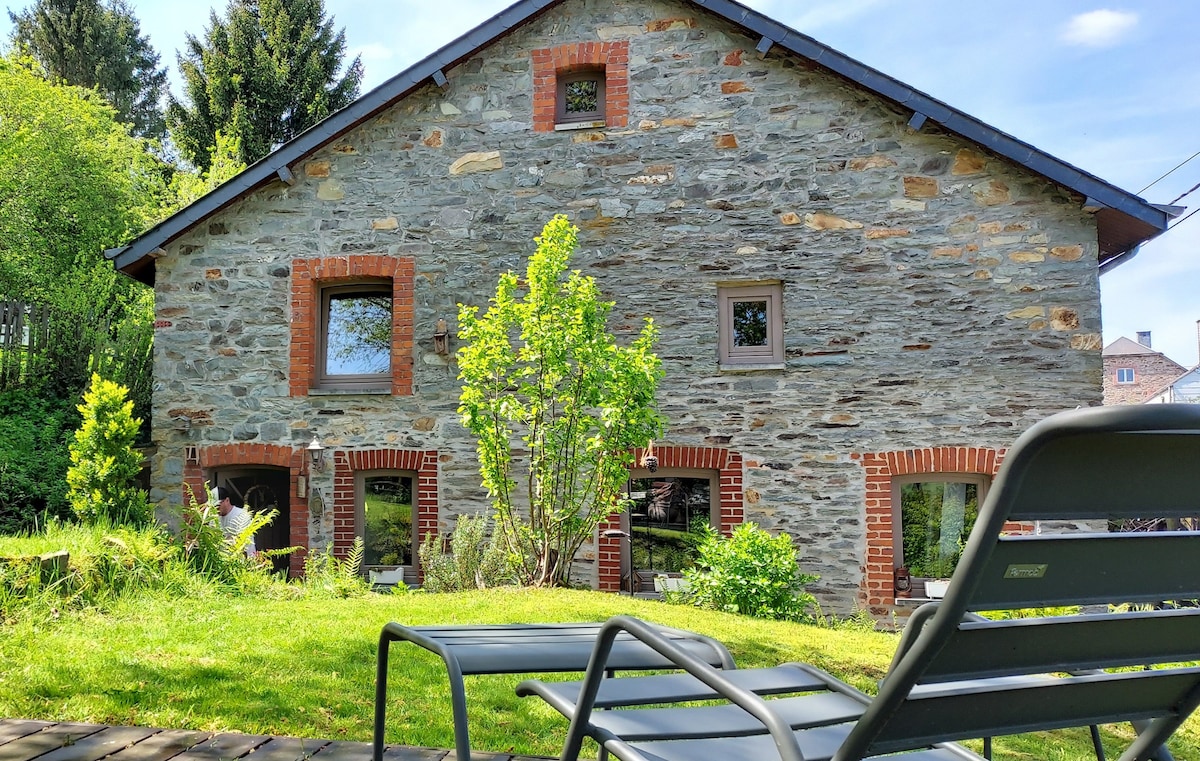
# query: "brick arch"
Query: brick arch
{"points": [[247, 454], [548, 63], [310, 275], [730, 475], [876, 592], [423, 462]]}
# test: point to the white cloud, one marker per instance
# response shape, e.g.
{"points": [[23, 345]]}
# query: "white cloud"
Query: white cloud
{"points": [[1099, 29]]}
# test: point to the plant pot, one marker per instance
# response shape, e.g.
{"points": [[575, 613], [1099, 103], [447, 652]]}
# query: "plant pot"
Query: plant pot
{"points": [[935, 589]]}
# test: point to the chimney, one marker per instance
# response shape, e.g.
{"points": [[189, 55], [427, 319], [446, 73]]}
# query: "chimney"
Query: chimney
{"points": [[1144, 338]]}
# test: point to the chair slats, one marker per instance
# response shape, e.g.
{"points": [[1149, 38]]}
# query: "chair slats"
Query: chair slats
{"points": [[1086, 569], [1069, 643], [984, 708]]}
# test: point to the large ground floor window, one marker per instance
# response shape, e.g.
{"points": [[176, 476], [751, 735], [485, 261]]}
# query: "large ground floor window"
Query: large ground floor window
{"points": [[669, 510], [384, 502], [937, 513]]}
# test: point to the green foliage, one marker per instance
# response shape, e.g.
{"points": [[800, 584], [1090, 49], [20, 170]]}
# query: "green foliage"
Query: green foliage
{"points": [[475, 561], [937, 518], [539, 368], [90, 45], [34, 456], [325, 574], [126, 353], [224, 163], [752, 573], [208, 552], [104, 464], [264, 73]]}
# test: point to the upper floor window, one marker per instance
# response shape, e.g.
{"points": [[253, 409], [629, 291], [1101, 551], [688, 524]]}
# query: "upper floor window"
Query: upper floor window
{"points": [[356, 335], [580, 97], [750, 320], [1125, 375], [936, 513], [384, 518]]}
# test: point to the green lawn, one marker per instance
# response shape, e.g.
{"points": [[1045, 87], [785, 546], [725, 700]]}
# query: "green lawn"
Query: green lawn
{"points": [[305, 667]]}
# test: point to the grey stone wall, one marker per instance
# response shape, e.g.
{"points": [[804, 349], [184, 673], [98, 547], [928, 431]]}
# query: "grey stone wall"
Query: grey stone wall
{"points": [[933, 294]]}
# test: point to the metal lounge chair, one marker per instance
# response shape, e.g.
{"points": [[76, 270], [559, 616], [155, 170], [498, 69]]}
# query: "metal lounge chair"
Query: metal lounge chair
{"points": [[957, 675]]}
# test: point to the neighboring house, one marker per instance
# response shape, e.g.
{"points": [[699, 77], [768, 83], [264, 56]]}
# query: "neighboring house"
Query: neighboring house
{"points": [[1183, 390], [1134, 372], [863, 294]]}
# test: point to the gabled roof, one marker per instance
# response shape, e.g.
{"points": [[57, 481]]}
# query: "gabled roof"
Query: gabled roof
{"points": [[1124, 221], [1123, 347]]}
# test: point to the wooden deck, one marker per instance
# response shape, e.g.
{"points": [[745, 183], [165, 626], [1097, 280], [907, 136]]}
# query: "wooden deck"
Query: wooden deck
{"points": [[25, 740]]}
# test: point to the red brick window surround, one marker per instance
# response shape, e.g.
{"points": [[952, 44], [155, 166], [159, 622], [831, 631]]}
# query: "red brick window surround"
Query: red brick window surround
{"points": [[730, 476], [882, 468], [310, 276], [197, 471], [551, 64], [423, 463]]}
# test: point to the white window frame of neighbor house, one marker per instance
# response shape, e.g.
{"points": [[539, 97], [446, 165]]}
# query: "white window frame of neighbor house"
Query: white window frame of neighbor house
{"points": [[768, 356], [1126, 375]]}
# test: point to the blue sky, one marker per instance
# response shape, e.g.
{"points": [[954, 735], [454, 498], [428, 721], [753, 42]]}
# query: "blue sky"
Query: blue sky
{"points": [[1111, 87]]}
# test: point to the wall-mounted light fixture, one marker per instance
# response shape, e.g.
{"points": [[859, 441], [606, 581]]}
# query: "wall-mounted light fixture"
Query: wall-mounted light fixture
{"points": [[316, 454], [649, 460], [441, 339]]}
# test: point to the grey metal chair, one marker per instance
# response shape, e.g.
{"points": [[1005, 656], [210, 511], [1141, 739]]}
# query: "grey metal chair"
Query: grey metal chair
{"points": [[957, 675]]}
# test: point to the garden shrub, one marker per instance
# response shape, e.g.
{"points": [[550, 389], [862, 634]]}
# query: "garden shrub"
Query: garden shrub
{"points": [[104, 464], [34, 434], [326, 574], [208, 552], [475, 561], [752, 573]]}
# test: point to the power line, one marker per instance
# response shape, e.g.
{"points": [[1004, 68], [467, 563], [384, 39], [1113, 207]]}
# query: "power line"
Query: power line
{"points": [[1180, 222], [1168, 174], [1185, 194]]}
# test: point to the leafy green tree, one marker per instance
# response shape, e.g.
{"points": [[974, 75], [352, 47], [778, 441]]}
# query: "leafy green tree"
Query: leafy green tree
{"points": [[104, 464], [540, 367], [263, 74], [90, 45]]}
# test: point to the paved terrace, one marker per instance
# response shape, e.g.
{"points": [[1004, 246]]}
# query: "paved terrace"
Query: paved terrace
{"points": [[24, 740]]}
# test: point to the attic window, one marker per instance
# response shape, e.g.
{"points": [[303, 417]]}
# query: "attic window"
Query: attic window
{"points": [[1125, 375], [580, 97]]}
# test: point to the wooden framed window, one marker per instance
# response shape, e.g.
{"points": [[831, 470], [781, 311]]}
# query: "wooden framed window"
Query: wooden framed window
{"points": [[580, 97], [935, 513], [750, 320], [383, 517], [355, 336]]}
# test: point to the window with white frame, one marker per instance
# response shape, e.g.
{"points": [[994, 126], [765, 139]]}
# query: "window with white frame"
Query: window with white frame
{"points": [[1125, 375]]}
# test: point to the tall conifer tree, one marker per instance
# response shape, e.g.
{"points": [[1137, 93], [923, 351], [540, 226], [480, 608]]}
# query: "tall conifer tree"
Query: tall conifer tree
{"points": [[93, 45], [262, 74]]}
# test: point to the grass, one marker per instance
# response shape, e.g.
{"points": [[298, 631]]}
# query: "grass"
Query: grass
{"points": [[305, 667]]}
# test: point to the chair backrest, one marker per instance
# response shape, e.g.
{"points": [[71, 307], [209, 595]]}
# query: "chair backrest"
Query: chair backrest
{"points": [[958, 675]]}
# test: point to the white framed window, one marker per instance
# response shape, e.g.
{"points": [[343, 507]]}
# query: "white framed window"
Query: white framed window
{"points": [[1125, 375], [750, 320]]}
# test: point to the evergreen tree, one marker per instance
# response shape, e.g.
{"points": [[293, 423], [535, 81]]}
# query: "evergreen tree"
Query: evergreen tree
{"points": [[86, 44], [263, 74]]}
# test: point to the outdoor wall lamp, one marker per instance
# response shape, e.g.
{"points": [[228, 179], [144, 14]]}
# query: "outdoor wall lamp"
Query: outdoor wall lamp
{"points": [[316, 454], [649, 460], [441, 339]]}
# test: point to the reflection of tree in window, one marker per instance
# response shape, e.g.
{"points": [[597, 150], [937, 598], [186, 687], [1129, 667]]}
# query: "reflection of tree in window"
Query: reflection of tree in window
{"points": [[359, 337], [582, 96], [749, 323], [937, 517], [664, 517], [387, 520]]}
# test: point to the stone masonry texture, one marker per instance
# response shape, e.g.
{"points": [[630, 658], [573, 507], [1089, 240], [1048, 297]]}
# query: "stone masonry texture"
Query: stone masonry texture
{"points": [[934, 295]]}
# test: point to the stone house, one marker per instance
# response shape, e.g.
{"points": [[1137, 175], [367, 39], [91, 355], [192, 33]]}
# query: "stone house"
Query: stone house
{"points": [[864, 295], [1134, 372]]}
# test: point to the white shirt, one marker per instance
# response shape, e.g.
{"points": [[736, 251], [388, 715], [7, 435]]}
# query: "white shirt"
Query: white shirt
{"points": [[235, 522]]}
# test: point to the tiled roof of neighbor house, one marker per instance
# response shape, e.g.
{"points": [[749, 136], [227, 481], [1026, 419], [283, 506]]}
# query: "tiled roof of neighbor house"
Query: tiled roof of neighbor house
{"points": [[1124, 221]]}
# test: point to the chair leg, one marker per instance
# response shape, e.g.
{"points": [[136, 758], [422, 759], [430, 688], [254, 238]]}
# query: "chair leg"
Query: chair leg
{"points": [[1095, 730], [987, 748]]}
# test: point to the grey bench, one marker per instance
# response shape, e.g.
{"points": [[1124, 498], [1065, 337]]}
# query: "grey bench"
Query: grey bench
{"points": [[524, 649]]}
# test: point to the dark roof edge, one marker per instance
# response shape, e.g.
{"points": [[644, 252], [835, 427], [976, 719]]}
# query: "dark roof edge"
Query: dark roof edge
{"points": [[395, 88], [267, 168], [952, 119]]}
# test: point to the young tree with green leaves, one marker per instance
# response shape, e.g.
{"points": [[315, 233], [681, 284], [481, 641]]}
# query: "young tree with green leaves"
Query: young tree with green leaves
{"points": [[541, 372], [93, 45], [262, 74], [104, 465]]}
